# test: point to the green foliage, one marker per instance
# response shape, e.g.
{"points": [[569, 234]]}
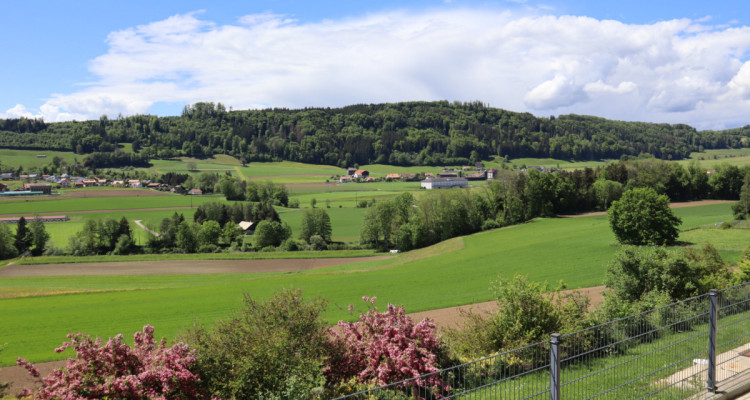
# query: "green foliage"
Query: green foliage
{"points": [[741, 209], [643, 217], [7, 243], [607, 191], [526, 314], [39, 236], [209, 233], [271, 233], [315, 222], [266, 350], [23, 236]]}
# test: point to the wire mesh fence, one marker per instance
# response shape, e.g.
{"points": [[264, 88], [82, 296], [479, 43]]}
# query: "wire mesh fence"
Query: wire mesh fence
{"points": [[671, 352]]}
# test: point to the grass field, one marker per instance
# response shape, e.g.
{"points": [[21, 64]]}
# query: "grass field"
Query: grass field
{"points": [[28, 158], [62, 205], [455, 272]]}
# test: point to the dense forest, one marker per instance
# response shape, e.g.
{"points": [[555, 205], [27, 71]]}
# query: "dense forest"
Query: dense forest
{"points": [[411, 133]]}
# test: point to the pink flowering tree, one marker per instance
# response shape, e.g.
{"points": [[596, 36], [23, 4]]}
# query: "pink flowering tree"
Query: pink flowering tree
{"points": [[114, 370], [385, 347]]}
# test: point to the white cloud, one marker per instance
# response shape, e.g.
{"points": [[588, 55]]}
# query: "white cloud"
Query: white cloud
{"points": [[673, 71], [19, 111]]}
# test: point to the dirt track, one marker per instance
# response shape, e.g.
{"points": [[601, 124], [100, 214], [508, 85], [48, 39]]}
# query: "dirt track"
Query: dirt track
{"points": [[177, 267], [671, 205]]}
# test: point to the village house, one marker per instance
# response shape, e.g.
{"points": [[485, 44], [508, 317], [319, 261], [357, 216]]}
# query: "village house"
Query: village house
{"points": [[345, 179], [491, 173], [45, 188], [392, 176], [195, 192], [361, 173]]}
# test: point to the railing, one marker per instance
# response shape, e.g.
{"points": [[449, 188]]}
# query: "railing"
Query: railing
{"points": [[672, 352]]}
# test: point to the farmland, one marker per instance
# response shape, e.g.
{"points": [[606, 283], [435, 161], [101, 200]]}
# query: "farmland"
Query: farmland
{"points": [[39, 311]]}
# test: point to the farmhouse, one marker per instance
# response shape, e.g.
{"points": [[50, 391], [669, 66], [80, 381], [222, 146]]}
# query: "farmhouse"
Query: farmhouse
{"points": [[45, 188], [248, 227], [361, 173], [491, 173], [392, 176], [195, 192], [444, 183], [345, 179]]}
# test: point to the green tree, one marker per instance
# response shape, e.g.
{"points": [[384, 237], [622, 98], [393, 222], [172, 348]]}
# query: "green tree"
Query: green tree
{"points": [[607, 191], [23, 236], [741, 208], [643, 217], [315, 222], [271, 233], [186, 237], [39, 236], [7, 243], [209, 233]]}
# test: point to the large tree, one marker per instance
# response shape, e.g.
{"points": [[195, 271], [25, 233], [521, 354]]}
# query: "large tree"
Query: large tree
{"points": [[39, 236], [643, 217], [315, 222]]}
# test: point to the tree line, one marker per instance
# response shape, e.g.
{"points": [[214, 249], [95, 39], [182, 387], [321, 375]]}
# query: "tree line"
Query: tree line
{"points": [[406, 223], [409, 133]]}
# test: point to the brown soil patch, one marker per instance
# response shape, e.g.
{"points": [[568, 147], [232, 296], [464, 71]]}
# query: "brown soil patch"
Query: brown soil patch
{"points": [[114, 193], [19, 378], [671, 205], [178, 267], [98, 211], [451, 317]]}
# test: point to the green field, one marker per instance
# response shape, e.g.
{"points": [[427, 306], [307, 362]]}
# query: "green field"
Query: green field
{"points": [[451, 273], [28, 158]]}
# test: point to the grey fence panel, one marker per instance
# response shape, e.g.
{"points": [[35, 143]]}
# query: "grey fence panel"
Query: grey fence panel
{"points": [[663, 353], [521, 373], [637, 356]]}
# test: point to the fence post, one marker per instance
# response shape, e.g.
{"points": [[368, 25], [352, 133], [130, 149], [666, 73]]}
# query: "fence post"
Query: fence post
{"points": [[554, 367], [713, 324]]}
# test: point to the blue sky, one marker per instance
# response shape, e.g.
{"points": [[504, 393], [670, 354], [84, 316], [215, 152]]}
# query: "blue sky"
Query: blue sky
{"points": [[659, 61]]}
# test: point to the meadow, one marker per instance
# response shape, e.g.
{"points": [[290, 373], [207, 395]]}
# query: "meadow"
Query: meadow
{"points": [[456, 272]]}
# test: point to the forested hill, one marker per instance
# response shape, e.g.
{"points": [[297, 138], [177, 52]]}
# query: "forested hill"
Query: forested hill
{"points": [[412, 133]]}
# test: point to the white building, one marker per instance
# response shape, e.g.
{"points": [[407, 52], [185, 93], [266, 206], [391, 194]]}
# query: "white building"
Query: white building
{"points": [[444, 183]]}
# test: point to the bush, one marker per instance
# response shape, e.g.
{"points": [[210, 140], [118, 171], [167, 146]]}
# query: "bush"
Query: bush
{"points": [[527, 314], [383, 348], [271, 349], [114, 370]]}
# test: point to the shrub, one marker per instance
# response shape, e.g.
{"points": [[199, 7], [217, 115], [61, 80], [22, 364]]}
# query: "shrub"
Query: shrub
{"points": [[271, 349], [114, 370], [384, 347]]}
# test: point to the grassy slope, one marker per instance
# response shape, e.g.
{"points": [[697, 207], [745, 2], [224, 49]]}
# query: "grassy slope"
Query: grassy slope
{"points": [[575, 250]]}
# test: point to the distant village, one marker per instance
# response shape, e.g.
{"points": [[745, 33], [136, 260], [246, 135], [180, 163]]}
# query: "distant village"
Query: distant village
{"points": [[35, 184]]}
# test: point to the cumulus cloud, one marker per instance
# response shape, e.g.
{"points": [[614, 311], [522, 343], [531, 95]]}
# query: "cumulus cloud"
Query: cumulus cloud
{"points": [[673, 71]]}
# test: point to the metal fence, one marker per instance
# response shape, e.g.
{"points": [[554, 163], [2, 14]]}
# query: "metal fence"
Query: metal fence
{"points": [[671, 352]]}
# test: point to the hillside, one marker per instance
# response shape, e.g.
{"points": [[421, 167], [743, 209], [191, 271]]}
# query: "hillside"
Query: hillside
{"points": [[412, 133]]}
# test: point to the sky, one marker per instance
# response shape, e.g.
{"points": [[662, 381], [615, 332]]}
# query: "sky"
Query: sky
{"points": [[655, 61]]}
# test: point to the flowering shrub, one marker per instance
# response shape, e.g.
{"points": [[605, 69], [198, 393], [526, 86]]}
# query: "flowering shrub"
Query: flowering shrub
{"points": [[385, 347], [114, 370]]}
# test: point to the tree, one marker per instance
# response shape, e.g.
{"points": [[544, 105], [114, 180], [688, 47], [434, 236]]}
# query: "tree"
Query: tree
{"points": [[23, 236], [209, 233], [186, 237], [39, 236], [191, 166], [7, 246], [271, 233], [643, 217], [741, 208], [315, 222], [607, 191]]}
